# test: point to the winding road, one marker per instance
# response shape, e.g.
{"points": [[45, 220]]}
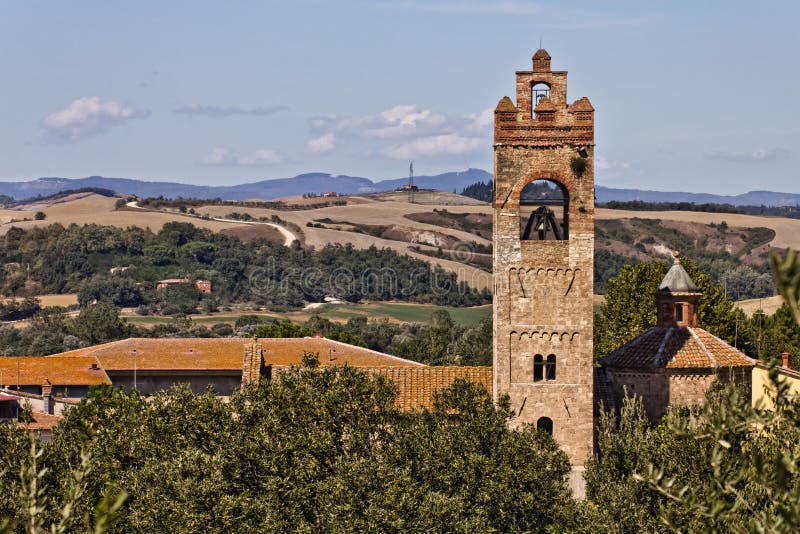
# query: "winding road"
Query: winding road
{"points": [[288, 236]]}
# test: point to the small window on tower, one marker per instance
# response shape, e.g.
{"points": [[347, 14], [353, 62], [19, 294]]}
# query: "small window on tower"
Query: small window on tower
{"points": [[550, 367], [679, 313], [538, 368], [539, 91]]}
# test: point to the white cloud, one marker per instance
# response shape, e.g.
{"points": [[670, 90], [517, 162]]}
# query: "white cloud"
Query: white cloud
{"points": [[437, 145], [86, 117], [405, 131], [602, 163], [223, 156], [753, 156], [322, 144], [219, 112], [396, 122]]}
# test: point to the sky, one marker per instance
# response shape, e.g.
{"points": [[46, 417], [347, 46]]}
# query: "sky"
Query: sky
{"points": [[697, 96]]}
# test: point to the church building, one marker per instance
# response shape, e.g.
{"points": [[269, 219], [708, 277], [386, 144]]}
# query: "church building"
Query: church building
{"points": [[543, 213], [676, 361]]}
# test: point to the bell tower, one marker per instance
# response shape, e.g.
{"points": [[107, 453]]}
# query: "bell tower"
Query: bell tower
{"points": [[543, 205]]}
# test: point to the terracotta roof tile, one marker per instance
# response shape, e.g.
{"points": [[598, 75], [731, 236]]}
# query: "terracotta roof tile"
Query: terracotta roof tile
{"points": [[41, 421], [59, 370], [677, 348], [228, 353], [417, 385]]}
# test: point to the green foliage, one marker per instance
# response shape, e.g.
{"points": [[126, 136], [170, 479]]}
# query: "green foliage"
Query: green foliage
{"points": [[39, 216], [100, 323], [787, 279], [314, 450], [725, 466], [641, 205], [78, 259], [578, 165], [630, 307], [13, 310], [479, 191]]}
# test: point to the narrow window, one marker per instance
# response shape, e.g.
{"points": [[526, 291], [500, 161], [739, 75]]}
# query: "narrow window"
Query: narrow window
{"points": [[679, 313], [538, 368], [546, 424], [550, 367]]}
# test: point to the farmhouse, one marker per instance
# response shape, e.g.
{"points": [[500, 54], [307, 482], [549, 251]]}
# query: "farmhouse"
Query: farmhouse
{"points": [[221, 365], [203, 285]]}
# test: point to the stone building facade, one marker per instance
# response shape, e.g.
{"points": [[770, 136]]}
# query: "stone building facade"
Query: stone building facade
{"points": [[675, 362], [543, 257]]}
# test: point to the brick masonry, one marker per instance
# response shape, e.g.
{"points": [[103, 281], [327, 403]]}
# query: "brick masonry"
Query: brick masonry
{"points": [[543, 289]]}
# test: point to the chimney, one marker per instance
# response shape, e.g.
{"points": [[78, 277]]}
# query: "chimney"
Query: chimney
{"points": [[47, 400], [785, 357], [253, 366]]}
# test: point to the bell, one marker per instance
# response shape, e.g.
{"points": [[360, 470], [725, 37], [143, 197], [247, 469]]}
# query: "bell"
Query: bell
{"points": [[540, 226]]}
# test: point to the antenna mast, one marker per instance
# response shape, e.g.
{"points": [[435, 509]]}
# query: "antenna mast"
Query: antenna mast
{"points": [[411, 182]]}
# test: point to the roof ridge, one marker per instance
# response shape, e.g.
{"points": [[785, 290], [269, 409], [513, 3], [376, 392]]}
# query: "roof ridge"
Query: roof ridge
{"points": [[611, 356], [659, 352], [416, 364], [705, 349], [753, 360]]}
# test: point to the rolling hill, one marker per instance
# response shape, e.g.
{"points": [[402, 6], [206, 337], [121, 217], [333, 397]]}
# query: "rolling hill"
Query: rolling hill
{"points": [[317, 183]]}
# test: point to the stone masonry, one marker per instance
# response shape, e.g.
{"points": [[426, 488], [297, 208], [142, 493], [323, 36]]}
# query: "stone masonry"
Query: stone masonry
{"points": [[543, 288]]}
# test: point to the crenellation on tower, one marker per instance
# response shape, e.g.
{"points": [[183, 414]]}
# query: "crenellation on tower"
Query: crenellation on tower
{"points": [[543, 257]]}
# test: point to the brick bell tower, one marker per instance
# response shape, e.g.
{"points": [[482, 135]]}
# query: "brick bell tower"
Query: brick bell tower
{"points": [[543, 251]]}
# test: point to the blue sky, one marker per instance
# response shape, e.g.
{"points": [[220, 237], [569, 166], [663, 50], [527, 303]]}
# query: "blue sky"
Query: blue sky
{"points": [[695, 96]]}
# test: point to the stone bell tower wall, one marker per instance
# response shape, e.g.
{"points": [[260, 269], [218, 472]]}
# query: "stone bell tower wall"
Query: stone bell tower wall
{"points": [[543, 288]]}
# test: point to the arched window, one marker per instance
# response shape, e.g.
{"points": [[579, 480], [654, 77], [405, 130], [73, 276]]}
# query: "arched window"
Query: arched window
{"points": [[539, 90], [546, 424], [550, 367], [544, 211], [538, 368]]}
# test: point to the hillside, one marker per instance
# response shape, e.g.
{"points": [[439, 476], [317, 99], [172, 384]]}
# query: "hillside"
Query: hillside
{"points": [[450, 231], [318, 183], [314, 183]]}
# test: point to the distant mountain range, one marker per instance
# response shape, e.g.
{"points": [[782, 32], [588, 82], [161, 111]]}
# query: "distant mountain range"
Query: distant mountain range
{"points": [[752, 198], [318, 183]]}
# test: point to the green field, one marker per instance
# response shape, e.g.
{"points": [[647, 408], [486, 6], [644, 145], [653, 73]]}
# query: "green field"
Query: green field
{"points": [[399, 312]]}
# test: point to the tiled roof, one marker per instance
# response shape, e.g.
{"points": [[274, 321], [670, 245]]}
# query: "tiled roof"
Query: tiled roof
{"points": [[168, 354], [289, 351], [216, 354], [677, 280], [41, 421], [59, 370], [677, 348], [417, 385], [602, 391], [541, 54]]}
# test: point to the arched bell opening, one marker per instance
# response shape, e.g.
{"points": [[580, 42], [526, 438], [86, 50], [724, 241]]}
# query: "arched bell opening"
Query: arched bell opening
{"points": [[539, 91], [544, 211]]}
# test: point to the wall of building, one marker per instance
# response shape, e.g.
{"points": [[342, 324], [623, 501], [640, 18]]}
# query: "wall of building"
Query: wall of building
{"points": [[661, 388], [222, 383], [764, 390]]}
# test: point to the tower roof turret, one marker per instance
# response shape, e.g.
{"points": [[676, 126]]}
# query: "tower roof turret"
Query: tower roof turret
{"points": [[677, 280], [541, 54]]}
